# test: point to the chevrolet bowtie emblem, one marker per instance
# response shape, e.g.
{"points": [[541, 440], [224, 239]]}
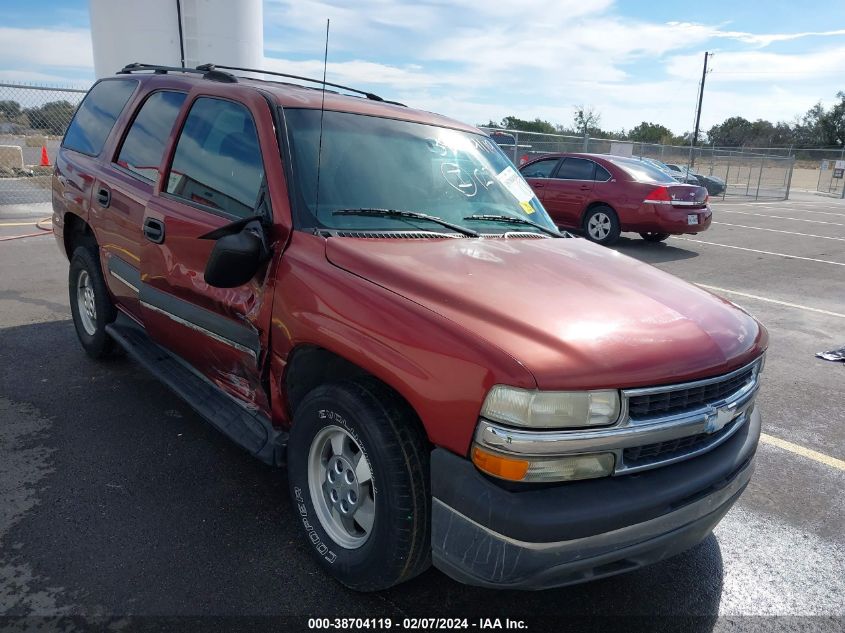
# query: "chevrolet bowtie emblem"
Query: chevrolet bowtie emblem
{"points": [[717, 418]]}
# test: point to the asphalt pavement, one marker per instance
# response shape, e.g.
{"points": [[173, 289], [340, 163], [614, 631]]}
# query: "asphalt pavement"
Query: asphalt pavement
{"points": [[118, 503]]}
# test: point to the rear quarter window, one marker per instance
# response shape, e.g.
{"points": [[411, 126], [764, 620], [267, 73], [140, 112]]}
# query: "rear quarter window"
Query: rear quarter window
{"points": [[96, 116]]}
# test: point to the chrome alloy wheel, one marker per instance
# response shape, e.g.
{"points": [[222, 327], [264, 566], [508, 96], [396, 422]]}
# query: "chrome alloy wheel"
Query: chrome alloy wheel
{"points": [[340, 481], [85, 302], [599, 226]]}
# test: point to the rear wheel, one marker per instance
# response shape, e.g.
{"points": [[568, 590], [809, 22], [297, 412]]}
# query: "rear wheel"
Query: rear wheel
{"points": [[90, 304], [601, 225], [654, 237], [359, 479]]}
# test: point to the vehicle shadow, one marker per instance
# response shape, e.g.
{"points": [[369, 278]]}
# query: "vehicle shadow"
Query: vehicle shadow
{"points": [[651, 252], [149, 510]]}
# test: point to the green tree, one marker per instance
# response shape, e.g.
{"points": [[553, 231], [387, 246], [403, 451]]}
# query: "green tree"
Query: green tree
{"points": [[651, 133], [52, 117], [10, 109], [537, 125]]}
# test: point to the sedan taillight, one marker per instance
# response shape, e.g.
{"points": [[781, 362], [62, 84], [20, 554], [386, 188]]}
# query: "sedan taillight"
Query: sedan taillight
{"points": [[659, 195]]}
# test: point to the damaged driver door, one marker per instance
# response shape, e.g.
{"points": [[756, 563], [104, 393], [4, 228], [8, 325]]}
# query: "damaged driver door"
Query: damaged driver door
{"points": [[216, 180]]}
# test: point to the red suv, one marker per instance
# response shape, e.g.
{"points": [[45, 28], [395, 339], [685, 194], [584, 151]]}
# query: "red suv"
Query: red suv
{"points": [[605, 195], [372, 297]]}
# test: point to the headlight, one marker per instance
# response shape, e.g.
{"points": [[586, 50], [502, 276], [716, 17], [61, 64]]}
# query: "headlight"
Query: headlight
{"points": [[551, 409]]}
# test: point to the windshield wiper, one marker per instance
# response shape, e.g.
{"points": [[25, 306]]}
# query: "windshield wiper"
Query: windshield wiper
{"points": [[410, 215], [510, 219]]}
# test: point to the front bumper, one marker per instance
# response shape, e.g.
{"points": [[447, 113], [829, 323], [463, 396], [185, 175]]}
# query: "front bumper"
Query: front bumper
{"points": [[485, 535]]}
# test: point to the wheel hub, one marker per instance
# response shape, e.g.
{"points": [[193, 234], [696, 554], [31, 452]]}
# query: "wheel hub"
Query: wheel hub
{"points": [[85, 303], [342, 485], [599, 226]]}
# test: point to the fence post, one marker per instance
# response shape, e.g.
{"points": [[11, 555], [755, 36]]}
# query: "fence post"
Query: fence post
{"points": [[515, 148], [789, 177], [747, 180], [727, 174], [759, 178]]}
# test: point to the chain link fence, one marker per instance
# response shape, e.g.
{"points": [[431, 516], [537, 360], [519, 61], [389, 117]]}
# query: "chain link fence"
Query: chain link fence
{"points": [[744, 173], [33, 120]]}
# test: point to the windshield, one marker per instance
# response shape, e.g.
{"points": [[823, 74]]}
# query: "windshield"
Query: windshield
{"points": [[642, 171], [375, 163]]}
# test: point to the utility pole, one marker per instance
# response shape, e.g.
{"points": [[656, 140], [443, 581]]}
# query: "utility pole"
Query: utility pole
{"points": [[698, 111]]}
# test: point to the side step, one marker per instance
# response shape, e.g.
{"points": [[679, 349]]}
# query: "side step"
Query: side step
{"points": [[250, 430]]}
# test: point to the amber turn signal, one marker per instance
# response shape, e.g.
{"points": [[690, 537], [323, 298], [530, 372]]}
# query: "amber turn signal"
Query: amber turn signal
{"points": [[498, 465]]}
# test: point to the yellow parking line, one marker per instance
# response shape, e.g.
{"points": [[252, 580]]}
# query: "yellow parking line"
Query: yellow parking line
{"points": [[827, 460], [18, 224]]}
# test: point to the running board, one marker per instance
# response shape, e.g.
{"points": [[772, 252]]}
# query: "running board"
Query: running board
{"points": [[251, 431]]}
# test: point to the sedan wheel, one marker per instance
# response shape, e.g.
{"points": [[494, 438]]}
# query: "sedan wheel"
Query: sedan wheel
{"points": [[601, 225]]}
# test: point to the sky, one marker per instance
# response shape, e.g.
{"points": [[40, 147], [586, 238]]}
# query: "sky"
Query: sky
{"points": [[631, 60]]}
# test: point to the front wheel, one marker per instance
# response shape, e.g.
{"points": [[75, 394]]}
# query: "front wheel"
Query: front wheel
{"points": [[359, 478], [654, 237], [601, 225]]}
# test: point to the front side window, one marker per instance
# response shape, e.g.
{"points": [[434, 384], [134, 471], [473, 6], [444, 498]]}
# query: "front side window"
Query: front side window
{"points": [[540, 169], [96, 116], [144, 143], [576, 169], [371, 162], [217, 162]]}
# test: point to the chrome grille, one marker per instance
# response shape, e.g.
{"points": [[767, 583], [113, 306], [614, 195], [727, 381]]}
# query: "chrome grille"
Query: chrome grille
{"points": [[685, 398], [639, 456]]}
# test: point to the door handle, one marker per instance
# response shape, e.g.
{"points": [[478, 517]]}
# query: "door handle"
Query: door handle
{"points": [[104, 197], [585, 188], [154, 230], [539, 185]]}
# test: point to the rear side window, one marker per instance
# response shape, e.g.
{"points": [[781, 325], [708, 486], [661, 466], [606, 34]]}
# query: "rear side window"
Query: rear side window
{"points": [[540, 169], [642, 172], [602, 175], [218, 161], [144, 143], [576, 169], [90, 127]]}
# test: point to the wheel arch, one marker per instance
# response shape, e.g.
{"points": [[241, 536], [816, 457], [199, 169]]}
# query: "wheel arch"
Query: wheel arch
{"points": [[309, 366], [76, 232], [593, 205]]}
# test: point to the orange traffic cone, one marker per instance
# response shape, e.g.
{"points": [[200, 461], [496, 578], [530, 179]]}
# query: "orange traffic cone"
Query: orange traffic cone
{"points": [[45, 159]]}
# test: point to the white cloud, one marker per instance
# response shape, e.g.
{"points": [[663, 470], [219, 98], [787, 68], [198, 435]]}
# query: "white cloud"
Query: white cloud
{"points": [[480, 60], [31, 48]]}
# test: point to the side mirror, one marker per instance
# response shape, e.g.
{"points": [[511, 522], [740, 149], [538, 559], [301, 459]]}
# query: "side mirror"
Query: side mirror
{"points": [[236, 256]]}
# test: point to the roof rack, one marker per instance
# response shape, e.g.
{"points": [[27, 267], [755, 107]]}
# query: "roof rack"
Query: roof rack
{"points": [[213, 73], [207, 73], [368, 95]]}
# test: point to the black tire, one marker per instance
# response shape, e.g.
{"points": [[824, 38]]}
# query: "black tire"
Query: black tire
{"points": [[654, 237], [95, 341], [605, 217], [398, 545]]}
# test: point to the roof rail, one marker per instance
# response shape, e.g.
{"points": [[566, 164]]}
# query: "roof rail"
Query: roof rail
{"points": [[207, 73], [368, 95]]}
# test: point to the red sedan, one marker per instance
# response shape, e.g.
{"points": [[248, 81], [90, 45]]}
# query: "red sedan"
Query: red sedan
{"points": [[604, 195]]}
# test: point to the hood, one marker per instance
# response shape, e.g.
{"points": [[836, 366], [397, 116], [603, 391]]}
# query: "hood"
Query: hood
{"points": [[575, 314]]}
